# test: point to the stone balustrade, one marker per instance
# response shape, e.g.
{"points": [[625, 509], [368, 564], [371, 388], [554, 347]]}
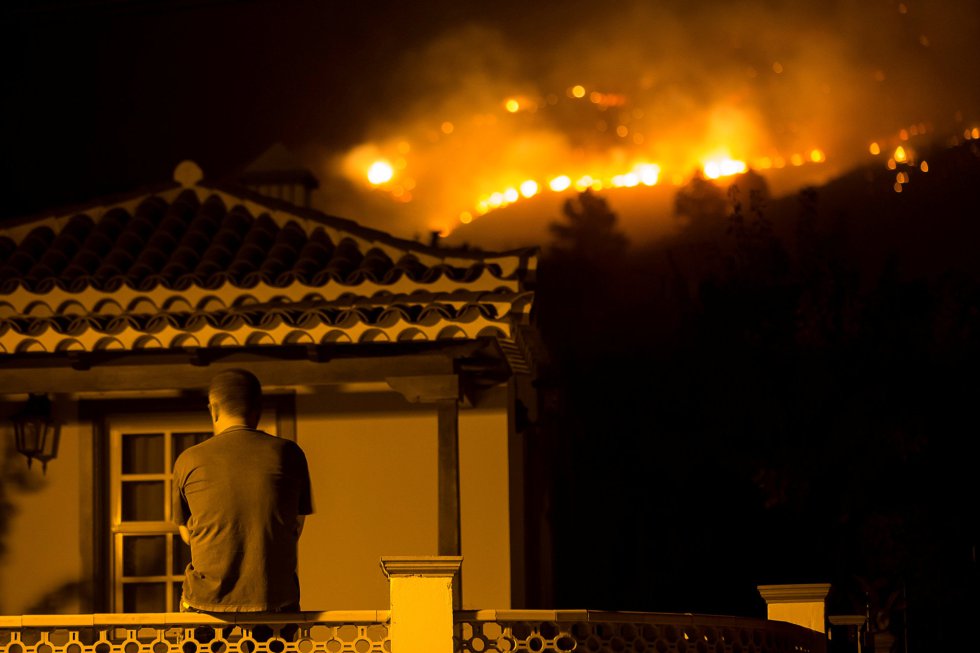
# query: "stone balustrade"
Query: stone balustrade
{"points": [[421, 619]]}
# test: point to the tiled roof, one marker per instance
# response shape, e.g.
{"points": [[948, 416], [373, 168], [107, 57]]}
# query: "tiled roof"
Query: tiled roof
{"points": [[206, 266]]}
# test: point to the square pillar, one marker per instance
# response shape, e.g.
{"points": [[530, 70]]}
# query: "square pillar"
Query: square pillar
{"points": [[421, 589], [801, 604]]}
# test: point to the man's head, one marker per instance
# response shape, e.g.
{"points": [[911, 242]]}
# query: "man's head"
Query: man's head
{"points": [[235, 397]]}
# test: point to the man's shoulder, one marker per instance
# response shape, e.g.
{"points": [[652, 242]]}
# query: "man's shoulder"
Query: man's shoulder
{"points": [[292, 451], [190, 455], [234, 442]]}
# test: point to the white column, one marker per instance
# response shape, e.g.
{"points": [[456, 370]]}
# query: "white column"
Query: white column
{"points": [[801, 604], [421, 589]]}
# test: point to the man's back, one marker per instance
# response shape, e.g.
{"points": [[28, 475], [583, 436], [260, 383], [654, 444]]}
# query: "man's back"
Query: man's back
{"points": [[240, 494]]}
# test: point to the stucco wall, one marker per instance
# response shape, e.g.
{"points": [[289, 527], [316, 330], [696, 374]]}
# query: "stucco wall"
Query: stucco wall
{"points": [[484, 506], [373, 460], [48, 537]]}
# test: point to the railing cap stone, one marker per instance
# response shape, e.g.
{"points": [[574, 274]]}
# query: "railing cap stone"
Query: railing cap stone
{"points": [[794, 593], [428, 566]]}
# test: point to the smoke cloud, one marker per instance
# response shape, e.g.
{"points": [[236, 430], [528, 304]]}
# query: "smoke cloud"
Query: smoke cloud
{"points": [[795, 90]]}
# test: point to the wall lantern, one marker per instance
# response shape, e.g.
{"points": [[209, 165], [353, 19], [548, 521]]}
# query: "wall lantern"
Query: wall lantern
{"points": [[35, 433]]}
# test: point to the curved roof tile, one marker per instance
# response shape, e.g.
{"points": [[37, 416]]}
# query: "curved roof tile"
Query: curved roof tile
{"points": [[209, 266]]}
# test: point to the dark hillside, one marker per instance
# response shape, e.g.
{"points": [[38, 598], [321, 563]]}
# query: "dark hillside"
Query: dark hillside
{"points": [[779, 393]]}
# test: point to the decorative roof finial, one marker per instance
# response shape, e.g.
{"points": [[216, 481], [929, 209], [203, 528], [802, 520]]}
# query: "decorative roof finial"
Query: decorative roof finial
{"points": [[187, 173]]}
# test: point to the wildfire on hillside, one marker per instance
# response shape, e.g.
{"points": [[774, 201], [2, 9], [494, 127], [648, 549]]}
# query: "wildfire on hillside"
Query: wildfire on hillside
{"points": [[798, 112]]}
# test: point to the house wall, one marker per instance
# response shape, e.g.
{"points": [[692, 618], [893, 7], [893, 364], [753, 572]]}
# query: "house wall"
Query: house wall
{"points": [[484, 504], [373, 464], [47, 555], [372, 459]]}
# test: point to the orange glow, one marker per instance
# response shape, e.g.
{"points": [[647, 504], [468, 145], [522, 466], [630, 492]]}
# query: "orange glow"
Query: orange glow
{"points": [[648, 173], [496, 170], [891, 164], [629, 180], [723, 168], [380, 172], [559, 184], [874, 149], [903, 135], [898, 187], [900, 154], [924, 167], [976, 132], [584, 182], [529, 188], [606, 99]]}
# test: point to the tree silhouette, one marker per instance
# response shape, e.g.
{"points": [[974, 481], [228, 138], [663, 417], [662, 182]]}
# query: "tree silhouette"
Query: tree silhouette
{"points": [[701, 203], [590, 235]]}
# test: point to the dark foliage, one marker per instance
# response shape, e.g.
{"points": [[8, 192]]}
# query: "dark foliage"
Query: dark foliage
{"points": [[756, 403]]}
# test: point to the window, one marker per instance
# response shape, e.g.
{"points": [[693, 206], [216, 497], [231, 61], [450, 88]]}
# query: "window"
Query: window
{"points": [[148, 557]]}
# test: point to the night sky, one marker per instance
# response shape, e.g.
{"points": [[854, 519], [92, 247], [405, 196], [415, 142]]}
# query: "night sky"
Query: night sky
{"points": [[781, 387], [105, 96]]}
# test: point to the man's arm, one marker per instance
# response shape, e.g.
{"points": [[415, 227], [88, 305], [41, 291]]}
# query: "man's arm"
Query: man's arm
{"points": [[186, 534], [300, 520]]}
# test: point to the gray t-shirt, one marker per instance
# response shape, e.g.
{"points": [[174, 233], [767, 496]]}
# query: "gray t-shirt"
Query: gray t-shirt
{"points": [[239, 494]]}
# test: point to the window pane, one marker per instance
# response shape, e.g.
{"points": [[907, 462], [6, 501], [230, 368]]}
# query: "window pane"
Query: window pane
{"points": [[145, 597], [142, 501], [182, 556], [142, 453], [145, 555], [183, 441], [175, 603]]}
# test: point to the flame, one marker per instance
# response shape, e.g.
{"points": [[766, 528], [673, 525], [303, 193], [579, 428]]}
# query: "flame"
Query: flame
{"points": [[624, 150], [380, 172], [560, 183], [723, 167], [529, 188]]}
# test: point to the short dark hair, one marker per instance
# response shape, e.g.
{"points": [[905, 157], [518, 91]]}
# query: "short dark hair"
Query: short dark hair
{"points": [[238, 393]]}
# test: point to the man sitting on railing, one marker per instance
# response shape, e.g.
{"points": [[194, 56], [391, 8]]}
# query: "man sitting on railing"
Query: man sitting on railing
{"points": [[239, 500]]}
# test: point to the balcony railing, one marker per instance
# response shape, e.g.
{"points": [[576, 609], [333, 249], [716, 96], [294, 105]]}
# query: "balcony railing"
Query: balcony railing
{"points": [[421, 620], [356, 631], [588, 631]]}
